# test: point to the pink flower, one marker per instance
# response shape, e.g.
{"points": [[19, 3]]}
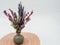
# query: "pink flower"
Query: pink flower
{"points": [[10, 17], [5, 12]]}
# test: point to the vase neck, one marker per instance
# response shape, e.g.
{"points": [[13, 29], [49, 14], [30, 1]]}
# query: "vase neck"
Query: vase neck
{"points": [[18, 33]]}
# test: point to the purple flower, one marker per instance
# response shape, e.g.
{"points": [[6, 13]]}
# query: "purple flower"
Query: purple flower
{"points": [[20, 10], [15, 16], [21, 22]]}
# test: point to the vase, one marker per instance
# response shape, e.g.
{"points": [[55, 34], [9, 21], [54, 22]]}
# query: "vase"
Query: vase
{"points": [[18, 38]]}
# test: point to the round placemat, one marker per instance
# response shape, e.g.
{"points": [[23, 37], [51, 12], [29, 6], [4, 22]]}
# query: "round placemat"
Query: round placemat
{"points": [[29, 39]]}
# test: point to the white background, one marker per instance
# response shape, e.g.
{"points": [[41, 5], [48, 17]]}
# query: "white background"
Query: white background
{"points": [[45, 22]]}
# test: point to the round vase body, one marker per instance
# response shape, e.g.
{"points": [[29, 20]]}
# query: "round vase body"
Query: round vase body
{"points": [[18, 39]]}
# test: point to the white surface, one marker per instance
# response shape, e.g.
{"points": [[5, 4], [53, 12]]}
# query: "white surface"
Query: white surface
{"points": [[45, 22]]}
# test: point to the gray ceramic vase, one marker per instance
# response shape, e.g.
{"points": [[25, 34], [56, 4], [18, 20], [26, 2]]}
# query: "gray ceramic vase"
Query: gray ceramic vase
{"points": [[18, 39]]}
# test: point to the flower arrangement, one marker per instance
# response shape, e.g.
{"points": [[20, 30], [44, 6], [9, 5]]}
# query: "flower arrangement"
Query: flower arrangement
{"points": [[18, 21]]}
